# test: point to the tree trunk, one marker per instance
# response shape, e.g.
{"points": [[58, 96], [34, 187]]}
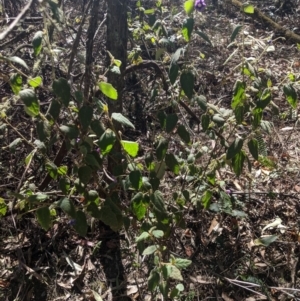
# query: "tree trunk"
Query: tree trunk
{"points": [[116, 44]]}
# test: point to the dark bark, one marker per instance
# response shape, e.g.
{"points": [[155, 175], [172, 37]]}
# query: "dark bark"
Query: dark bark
{"points": [[116, 44]]}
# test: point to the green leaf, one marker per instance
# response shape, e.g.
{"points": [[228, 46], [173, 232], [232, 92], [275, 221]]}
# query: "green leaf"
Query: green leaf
{"points": [[44, 217], [150, 250], [62, 89], [109, 218], [239, 113], [15, 82], [121, 119], [12, 146], [139, 206], [265, 240], [172, 163], [37, 197], [16, 59], [181, 263], [32, 106], [257, 116], [183, 134], [234, 148], [237, 162], [108, 90], [157, 233], [78, 97], [238, 94], [204, 37], [102, 107], [189, 6], [29, 158], [180, 287], [235, 32], [43, 130], [130, 147], [143, 236], [291, 95], [253, 148], [187, 28], [205, 120], [55, 109], [265, 99], [158, 201], [174, 293], [35, 82], [84, 174], [205, 199], [52, 169], [57, 13], [153, 280], [162, 117], [80, 225], [37, 42], [187, 83], [71, 131], [3, 207], [67, 206], [202, 102], [107, 141], [62, 170], [171, 122], [135, 178], [85, 116], [218, 119], [93, 159], [92, 196], [164, 288], [248, 9], [160, 169], [175, 273], [173, 72], [161, 149], [97, 127], [166, 271], [64, 185]]}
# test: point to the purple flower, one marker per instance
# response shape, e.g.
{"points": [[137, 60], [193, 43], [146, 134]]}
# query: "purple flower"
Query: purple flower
{"points": [[200, 5]]}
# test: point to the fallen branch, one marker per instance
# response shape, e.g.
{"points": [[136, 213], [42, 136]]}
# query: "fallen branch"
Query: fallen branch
{"points": [[17, 19], [259, 15]]}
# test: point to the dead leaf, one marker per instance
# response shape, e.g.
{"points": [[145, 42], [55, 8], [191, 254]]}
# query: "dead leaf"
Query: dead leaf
{"points": [[213, 225]]}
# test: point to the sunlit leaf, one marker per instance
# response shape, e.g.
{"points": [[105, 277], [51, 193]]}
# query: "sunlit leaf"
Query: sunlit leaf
{"points": [[15, 82], [108, 90], [187, 29], [189, 6], [122, 119], [248, 9]]}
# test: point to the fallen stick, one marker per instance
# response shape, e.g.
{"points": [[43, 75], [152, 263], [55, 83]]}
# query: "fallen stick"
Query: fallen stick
{"points": [[259, 15]]}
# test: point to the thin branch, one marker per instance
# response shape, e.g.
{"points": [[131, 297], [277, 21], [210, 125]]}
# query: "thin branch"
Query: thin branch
{"points": [[17, 19]]}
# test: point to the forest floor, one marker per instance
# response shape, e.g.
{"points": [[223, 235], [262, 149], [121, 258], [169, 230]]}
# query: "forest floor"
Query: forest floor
{"points": [[228, 262]]}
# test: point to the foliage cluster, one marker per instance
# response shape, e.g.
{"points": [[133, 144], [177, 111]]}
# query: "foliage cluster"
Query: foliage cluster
{"points": [[132, 194]]}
